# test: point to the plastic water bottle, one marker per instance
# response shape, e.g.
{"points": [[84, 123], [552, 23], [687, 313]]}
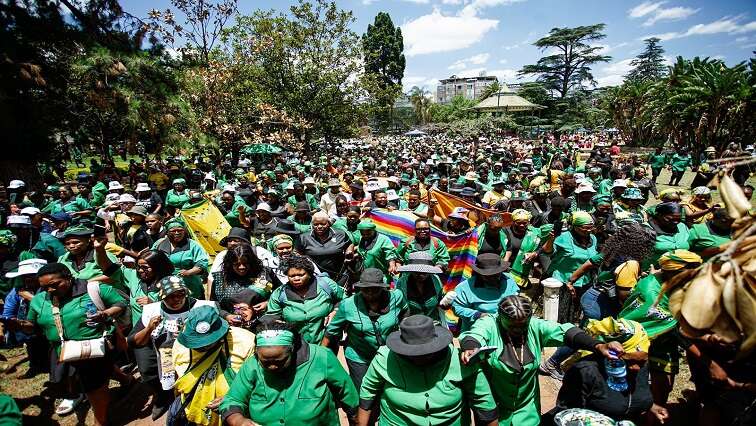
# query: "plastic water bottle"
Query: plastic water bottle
{"points": [[616, 372]]}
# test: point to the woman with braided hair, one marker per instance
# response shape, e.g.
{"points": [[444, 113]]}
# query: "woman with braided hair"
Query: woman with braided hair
{"points": [[512, 367]]}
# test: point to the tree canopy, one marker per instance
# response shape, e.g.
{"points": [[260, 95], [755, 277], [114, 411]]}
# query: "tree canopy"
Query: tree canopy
{"points": [[383, 55], [569, 67]]}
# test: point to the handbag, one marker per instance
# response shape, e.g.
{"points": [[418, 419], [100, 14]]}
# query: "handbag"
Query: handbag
{"points": [[76, 350]]}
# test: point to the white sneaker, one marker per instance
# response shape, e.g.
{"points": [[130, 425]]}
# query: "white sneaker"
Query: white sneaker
{"points": [[67, 406]]}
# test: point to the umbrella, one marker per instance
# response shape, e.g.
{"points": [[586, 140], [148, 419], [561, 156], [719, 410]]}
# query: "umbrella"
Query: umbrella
{"points": [[261, 148], [415, 133]]}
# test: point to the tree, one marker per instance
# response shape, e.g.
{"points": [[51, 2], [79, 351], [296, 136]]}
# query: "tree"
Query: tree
{"points": [[202, 26], [649, 65], [569, 67], [116, 98], [306, 63], [383, 47], [459, 108], [39, 45], [421, 102], [490, 90]]}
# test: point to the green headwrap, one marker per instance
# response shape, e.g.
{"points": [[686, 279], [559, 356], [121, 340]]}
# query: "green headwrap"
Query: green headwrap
{"points": [[580, 218], [274, 338], [173, 223], [181, 181], [278, 239]]}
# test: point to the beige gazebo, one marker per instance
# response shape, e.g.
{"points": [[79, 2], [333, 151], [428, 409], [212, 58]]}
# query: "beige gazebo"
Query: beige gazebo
{"points": [[505, 100]]}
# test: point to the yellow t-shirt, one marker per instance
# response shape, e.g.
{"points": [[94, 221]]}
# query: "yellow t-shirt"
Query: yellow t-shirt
{"points": [[626, 274], [241, 344]]}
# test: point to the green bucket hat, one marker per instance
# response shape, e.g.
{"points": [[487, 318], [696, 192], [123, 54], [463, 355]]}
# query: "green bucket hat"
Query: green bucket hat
{"points": [[203, 327], [599, 200], [632, 194], [365, 225], [78, 231], [181, 181]]}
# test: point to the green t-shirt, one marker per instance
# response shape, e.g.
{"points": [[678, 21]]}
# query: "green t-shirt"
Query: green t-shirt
{"points": [[354, 236], [568, 256], [701, 238], [309, 396], [73, 313], [378, 253], [657, 161], [436, 394], [89, 269], [307, 313], [10, 415], [365, 335], [128, 278], [516, 392], [427, 307]]}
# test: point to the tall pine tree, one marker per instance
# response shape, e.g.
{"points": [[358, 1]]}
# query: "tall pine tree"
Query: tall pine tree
{"points": [[383, 50], [649, 65]]}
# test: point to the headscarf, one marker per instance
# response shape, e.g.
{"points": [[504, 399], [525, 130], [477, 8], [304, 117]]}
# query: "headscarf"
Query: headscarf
{"points": [[521, 214], [701, 190], [678, 259], [667, 208], [173, 223], [274, 338], [670, 191], [580, 218], [630, 334], [281, 238], [170, 285]]}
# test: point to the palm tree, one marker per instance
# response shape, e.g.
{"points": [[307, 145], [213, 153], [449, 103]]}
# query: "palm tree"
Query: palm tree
{"points": [[421, 101]]}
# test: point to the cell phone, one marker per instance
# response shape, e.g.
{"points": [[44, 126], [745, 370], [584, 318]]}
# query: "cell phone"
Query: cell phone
{"points": [[481, 352], [99, 231]]}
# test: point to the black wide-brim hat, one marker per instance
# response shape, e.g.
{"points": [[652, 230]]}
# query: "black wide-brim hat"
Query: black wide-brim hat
{"points": [[489, 264], [418, 336], [238, 233], [287, 227]]}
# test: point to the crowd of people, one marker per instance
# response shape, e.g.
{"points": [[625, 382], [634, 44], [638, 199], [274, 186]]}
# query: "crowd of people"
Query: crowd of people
{"points": [[103, 280]]}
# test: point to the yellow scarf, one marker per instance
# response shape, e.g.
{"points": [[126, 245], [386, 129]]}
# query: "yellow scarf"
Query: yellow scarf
{"points": [[630, 334], [212, 385]]}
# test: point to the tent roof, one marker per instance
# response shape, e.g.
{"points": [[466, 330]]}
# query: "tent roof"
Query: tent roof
{"points": [[506, 101]]}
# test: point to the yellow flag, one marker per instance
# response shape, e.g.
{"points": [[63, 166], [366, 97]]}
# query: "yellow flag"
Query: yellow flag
{"points": [[207, 226]]}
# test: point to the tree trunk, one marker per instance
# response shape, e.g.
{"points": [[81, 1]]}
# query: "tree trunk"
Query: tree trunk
{"points": [[25, 170]]}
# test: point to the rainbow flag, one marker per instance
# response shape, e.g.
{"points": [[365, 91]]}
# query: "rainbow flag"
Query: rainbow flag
{"points": [[463, 248]]}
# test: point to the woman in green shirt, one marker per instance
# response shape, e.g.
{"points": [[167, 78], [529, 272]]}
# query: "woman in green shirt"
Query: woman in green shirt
{"points": [[67, 203], [80, 320], [512, 367], [80, 256], [307, 301], [189, 259], [420, 283], [302, 218], [706, 238], [571, 249], [349, 223], [671, 232], [418, 379], [288, 382], [367, 317], [376, 250], [178, 196]]}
